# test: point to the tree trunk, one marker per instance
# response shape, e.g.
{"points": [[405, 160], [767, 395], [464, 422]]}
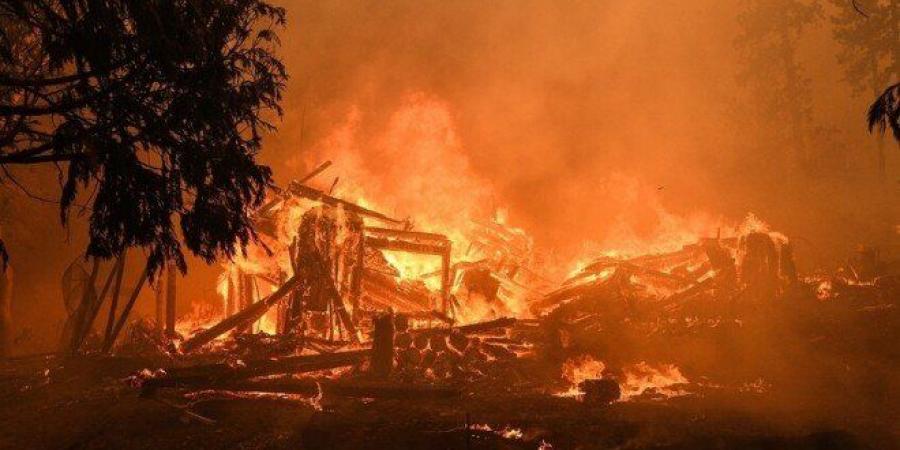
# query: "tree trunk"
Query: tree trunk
{"points": [[170, 300], [6, 286], [160, 305]]}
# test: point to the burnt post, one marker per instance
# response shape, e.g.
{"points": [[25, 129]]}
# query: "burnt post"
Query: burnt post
{"points": [[445, 280], [6, 284], [383, 345]]}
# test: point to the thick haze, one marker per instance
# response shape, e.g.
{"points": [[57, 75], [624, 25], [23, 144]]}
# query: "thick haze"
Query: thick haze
{"points": [[591, 122], [584, 119]]}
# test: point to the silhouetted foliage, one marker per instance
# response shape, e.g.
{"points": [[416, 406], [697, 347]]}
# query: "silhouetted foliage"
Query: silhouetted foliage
{"points": [[156, 105], [885, 112], [868, 32]]}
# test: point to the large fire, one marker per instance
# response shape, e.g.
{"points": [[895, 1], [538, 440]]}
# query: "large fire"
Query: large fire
{"points": [[427, 243]]}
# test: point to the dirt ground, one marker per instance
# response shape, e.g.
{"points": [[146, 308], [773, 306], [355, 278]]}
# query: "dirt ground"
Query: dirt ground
{"points": [[86, 404]]}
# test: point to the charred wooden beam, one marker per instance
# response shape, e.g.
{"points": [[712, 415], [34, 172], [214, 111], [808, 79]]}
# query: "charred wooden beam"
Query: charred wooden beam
{"points": [[407, 246], [309, 193], [205, 375], [321, 168], [409, 234], [247, 316], [445, 280], [340, 388]]}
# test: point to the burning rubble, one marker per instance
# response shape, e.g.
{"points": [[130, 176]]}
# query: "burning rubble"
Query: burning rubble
{"points": [[341, 300]]}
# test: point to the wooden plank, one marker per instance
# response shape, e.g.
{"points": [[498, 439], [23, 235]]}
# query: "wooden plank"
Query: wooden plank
{"points": [[321, 168]]}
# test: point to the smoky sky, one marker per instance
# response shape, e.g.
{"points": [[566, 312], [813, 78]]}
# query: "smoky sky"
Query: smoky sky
{"points": [[588, 121], [579, 115]]}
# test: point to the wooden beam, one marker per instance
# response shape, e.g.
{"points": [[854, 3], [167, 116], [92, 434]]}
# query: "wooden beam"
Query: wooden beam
{"points": [[406, 246], [249, 315], [201, 375], [339, 388], [445, 280], [301, 190], [390, 232], [321, 168]]}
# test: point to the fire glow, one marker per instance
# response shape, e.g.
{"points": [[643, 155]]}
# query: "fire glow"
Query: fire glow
{"points": [[664, 380]]}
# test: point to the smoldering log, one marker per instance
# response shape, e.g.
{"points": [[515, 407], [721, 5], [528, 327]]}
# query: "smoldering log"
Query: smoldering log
{"points": [[213, 373], [321, 168], [355, 388]]}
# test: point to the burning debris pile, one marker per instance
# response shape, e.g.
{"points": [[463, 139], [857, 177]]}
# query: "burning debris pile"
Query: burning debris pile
{"points": [[342, 300]]}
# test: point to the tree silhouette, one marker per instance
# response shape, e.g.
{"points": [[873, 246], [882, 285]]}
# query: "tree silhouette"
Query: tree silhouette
{"points": [[870, 54], [885, 112], [157, 106], [767, 40]]}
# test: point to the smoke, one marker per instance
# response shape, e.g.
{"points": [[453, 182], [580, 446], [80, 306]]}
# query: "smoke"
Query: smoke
{"points": [[598, 125], [561, 112]]}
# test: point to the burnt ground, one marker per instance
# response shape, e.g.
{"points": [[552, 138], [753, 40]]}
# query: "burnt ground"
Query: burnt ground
{"points": [[85, 403]]}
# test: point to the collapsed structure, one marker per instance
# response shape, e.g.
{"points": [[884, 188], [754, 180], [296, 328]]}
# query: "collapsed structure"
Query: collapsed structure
{"points": [[326, 290]]}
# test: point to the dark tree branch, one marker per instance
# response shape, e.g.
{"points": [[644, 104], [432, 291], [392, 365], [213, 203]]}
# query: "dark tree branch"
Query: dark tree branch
{"points": [[9, 81], [199, 77]]}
